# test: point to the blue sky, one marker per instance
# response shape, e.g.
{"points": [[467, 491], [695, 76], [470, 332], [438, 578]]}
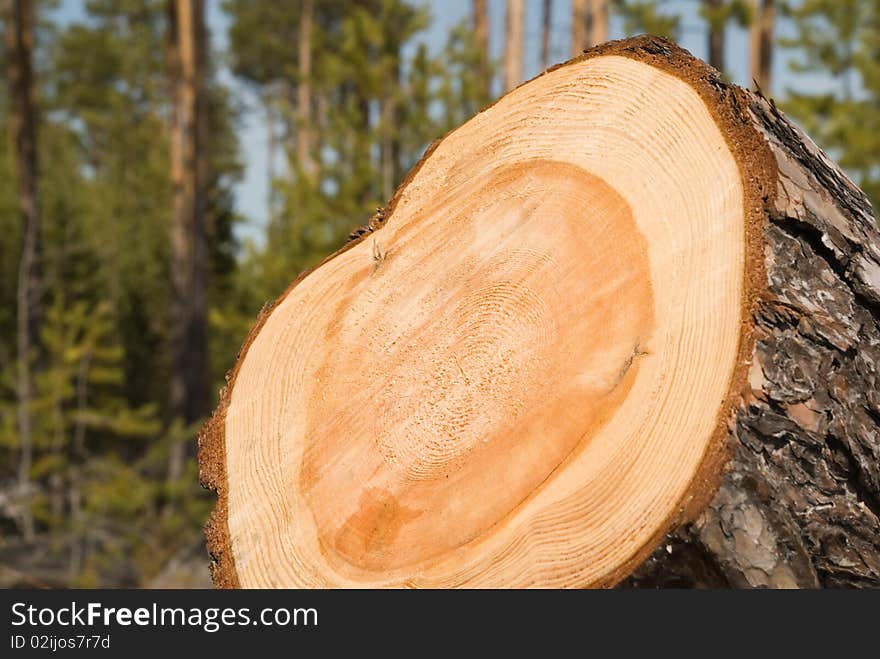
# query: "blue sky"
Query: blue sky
{"points": [[251, 193]]}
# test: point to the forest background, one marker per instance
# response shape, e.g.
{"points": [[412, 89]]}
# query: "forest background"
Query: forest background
{"points": [[169, 166]]}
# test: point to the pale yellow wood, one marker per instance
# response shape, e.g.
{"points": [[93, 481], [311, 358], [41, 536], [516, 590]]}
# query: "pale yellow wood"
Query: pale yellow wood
{"points": [[515, 379]]}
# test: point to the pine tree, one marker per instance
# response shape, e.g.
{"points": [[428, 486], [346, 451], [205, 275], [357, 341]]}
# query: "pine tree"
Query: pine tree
{"points": [[648, 17], [189, 178], [100, 451], [19, 46], [578, 26], [546, 26], [304, 90], [715, 13], [718, 14], [362, 136], [841, 38], [461, 82], [589, 24], [513, 44], [761, 36], [597, 32]]}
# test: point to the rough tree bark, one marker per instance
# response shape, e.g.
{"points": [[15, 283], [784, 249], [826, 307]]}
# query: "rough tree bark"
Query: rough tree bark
{"points": [[19, 38], [799, 503], [513, 43], [761, 43], [706, 410], [188, 224]]}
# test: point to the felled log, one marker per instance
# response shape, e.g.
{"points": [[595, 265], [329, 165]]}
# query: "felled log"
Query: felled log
{"points": [[624, 324]]}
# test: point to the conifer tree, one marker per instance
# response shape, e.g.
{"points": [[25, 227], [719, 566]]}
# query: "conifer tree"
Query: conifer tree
{"points": [[761, 37], [19, 40], [100, 451], [648, 17], [841, 38], [513, 43]]}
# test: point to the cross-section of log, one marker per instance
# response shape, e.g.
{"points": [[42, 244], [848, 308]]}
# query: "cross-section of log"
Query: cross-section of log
{"points": [[525, 371]]}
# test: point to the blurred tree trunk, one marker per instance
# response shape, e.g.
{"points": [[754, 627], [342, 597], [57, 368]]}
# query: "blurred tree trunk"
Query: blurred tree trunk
{"points": [[546, 24], [481, 37], [19, 38], [269, 100], [578, 26], [362, 139], [304, 91], [597, 22], [717, 24], [188, 226], [761, 42], [363, 145], [513, 46], [390, 116], [589, 24]]}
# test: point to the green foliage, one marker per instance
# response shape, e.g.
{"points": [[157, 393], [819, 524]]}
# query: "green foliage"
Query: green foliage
{"points": [[10, 229], [460, 87], [719, 14], [358, 63], [647, 16], [102, 434], [273, 55], [841, 38]]}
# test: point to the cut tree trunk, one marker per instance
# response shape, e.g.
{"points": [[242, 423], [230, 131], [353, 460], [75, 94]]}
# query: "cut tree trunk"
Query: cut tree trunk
{"points": [[627, 308]]}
